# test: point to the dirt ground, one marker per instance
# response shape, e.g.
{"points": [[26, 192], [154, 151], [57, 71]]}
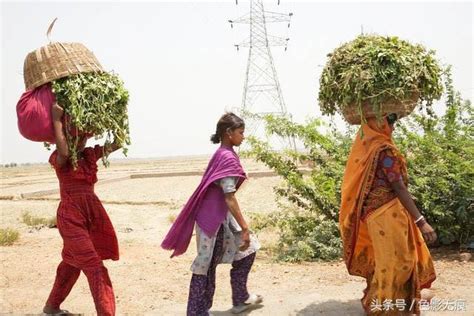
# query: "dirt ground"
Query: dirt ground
{"points": [[145, 279]]}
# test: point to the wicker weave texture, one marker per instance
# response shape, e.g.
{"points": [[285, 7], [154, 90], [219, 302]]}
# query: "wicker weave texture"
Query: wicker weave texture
{"points": [[401, 108], [57, 60]]}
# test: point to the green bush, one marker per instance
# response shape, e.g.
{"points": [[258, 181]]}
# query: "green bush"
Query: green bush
{"points": [[308, 229], [440, 153], [305, 235]]}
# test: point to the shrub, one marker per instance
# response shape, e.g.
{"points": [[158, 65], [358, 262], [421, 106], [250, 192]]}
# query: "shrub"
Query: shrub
{"points": [[308, 229], [8, 236], [38, 222], [440, 153]]}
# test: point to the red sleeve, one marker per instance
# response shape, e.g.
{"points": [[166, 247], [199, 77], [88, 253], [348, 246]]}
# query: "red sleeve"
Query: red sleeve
{"points": [[92, 154], [390, 165], [52, 158]]}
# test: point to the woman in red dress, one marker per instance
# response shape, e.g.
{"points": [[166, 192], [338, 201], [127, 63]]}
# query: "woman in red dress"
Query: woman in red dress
{"points": [[87, 233]]}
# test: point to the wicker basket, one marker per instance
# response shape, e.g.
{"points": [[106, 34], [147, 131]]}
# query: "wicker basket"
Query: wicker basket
{"points": [[57, 60], [401, 108]]}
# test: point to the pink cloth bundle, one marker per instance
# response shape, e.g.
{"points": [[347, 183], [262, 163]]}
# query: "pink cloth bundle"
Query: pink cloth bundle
{"points": [[34, 114]]}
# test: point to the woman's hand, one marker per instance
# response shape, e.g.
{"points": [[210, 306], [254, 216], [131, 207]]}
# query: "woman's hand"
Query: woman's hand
{"points": [[405, 198], [57, 111], [234, 209], [428, 233], [245, 240], [110, 148]]}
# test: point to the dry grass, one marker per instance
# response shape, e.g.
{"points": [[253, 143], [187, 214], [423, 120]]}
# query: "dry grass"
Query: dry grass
{"points": [[8, 236], [38, 222], [172, 218]]}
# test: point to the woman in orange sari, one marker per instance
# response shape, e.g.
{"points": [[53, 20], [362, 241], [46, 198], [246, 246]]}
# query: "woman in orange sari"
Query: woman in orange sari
{"points": [[383, 232]]}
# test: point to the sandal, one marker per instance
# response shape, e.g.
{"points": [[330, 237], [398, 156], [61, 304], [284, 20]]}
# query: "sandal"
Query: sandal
{"points": [[253, 300]]}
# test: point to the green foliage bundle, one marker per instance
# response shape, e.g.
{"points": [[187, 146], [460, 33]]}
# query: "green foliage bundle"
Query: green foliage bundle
{"points": [[439, 152], [95, 103], [375, 68]]}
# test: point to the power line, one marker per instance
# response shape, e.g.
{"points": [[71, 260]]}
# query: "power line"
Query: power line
{"points": [[262, 92]]}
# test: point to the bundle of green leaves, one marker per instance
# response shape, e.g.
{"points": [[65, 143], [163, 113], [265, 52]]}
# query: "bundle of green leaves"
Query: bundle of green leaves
{"points": [[377, 69], [94, 103]]}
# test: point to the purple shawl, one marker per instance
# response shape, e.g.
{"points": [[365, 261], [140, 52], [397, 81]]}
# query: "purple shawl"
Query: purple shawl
{"points": [[207, 205]]}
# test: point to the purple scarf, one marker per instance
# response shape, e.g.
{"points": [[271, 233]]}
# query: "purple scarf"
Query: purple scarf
{"points": [[207, 205]]}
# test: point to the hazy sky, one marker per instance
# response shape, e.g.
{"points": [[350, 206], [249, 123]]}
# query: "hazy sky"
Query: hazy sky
{"points": [[178, 61]]}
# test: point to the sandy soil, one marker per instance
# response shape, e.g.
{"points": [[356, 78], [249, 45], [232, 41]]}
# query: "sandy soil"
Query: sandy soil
{"points": [[145, 280]]}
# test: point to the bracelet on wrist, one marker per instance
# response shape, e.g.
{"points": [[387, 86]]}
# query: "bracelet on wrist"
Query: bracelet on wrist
{"points": [[419, 219], [421, 222]]}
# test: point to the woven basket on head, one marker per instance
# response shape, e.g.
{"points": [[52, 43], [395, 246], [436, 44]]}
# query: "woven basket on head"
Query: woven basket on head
{"points": [[401, 108], [57, 60]]}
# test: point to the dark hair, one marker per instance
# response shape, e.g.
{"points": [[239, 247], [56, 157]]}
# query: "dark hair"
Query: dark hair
{"points": [[227, 122], [392, 118]]}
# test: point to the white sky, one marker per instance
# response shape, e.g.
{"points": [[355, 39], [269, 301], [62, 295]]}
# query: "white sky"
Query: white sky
{"points": [[179, 64]]}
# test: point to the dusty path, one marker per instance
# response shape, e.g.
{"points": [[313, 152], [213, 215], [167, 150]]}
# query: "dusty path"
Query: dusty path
{"points": [[146, 281]]}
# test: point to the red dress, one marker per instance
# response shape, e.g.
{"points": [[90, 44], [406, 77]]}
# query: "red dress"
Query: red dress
{"points": [[81, 218]]}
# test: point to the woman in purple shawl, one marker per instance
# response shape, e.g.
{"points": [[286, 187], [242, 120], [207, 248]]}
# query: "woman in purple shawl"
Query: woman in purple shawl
{"points": [[222, 235]]}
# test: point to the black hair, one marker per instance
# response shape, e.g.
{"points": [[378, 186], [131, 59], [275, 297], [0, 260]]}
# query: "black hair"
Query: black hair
{"points": [[228, 122], [392, 118]]}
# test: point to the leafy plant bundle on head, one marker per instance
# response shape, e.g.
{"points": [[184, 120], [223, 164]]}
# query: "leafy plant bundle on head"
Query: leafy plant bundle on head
{"points": [[94, 103], [376, 69]]}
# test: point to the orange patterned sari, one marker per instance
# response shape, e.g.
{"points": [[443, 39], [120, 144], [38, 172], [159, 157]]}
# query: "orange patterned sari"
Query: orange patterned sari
{"points": [[386, 247]]}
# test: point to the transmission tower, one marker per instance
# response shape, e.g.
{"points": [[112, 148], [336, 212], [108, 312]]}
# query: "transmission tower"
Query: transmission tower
{"points": [[262, 92]]}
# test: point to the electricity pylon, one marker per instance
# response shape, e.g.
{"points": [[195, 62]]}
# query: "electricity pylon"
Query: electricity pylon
{"points": [[262, 93]]}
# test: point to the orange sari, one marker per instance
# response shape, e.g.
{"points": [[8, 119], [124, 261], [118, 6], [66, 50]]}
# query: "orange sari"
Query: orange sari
{"points": [[386, 247]]}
